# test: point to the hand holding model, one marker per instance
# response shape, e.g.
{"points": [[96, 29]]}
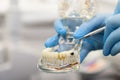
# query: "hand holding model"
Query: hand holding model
{"points": [[109, 40]]}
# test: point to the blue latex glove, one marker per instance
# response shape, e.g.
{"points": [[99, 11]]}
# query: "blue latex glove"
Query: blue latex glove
{"points": [[112, 33], [92, 43], [95, 42]]}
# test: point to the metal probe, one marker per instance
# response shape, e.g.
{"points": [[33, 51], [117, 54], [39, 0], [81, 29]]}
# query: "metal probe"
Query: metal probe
{"points": [[93, 32]]}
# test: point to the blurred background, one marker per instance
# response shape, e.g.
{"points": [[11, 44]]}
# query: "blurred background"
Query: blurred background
{"points": [[24, 26]]}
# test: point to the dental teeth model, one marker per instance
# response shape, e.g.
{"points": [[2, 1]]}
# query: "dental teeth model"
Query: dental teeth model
{"points": [[59, 60], [65, 56]]}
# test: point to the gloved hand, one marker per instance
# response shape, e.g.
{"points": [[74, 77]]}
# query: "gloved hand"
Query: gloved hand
{"points": [[95, 42], [112, 33], [92, 43]]}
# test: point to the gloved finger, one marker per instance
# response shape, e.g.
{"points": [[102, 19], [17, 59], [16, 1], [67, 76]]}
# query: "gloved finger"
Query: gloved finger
{"points": [[85, 49], [89, 26], [111, 24], [117, 10], [112, 39], [59, 27], [62, 23], [53, 41], [116, 49], [92, 43]]}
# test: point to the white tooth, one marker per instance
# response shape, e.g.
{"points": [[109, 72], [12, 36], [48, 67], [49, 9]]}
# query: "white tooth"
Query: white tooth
{"points": [[43, 56], [48, 57], [63, 55], [65, 59], [52, 56], [55, 58]]}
